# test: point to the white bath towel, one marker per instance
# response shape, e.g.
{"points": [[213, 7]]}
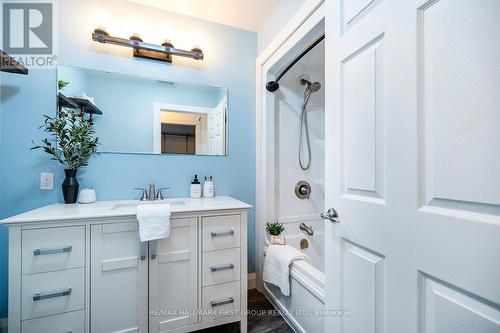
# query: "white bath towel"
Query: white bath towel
{"points": [[154, 221], [277, 265]]}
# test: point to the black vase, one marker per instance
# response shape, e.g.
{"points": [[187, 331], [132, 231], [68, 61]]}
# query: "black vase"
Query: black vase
{"points": [[70, 186]]}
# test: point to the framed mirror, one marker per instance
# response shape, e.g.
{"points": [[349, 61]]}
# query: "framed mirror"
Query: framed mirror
{"points": [[134, 114]]}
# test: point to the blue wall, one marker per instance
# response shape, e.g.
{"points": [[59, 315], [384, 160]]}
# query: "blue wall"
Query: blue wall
{"points": [[25, 98]]}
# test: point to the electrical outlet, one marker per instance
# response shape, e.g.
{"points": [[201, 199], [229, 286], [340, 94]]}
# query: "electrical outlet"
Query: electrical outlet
{"points": [[46, 181]]}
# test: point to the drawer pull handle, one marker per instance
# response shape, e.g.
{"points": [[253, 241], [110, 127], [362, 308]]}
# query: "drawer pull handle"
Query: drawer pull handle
{"points": [[143, 250], [40, 252], [222, 233], [59, 293], [221, 268], [153, 248], [222, 302]]}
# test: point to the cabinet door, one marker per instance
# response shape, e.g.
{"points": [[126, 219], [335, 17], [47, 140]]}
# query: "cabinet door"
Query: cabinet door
{"points": [[119, 279], [173, 278]]}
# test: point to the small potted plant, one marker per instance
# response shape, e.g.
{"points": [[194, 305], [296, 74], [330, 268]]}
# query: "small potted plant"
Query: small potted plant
{"points": [[275, 231], [72, 142], [61, 84]]}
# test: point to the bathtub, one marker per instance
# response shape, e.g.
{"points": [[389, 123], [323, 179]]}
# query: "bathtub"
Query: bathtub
{"points": [[307, 281]]}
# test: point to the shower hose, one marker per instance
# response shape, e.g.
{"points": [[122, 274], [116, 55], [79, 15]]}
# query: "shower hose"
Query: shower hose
{"points": [[304, 131]]}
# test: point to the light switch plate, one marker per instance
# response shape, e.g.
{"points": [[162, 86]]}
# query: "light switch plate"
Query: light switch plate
{"points": [[46, 181]]}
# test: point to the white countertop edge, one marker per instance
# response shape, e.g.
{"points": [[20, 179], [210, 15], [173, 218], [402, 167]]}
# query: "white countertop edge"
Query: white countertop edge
{"points": [[120, 208]]}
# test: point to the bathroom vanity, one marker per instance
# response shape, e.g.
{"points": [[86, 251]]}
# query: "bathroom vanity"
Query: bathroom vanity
{"points": [[81, 268]]}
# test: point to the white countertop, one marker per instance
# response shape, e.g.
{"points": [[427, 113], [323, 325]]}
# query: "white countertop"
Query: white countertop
{"points": [[119, 208]]}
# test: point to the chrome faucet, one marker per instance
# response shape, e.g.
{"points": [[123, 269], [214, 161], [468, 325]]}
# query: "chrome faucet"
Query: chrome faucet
{"points": [[307, 229], [152, 194], [152, 190]]}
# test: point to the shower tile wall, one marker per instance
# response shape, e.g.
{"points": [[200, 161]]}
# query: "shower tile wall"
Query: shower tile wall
{"points": [[289, 109]]}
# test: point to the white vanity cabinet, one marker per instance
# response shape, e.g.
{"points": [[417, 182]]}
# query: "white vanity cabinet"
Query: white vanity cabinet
{"points": [[173, 277], [118, 279], [47, 277], [82, 268]]}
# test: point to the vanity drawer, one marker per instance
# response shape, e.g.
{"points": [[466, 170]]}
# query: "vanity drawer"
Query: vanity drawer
{"points": [[221, 232], [221, 300], [51, 249], [67, 322], [221, 266], [51, 293]]}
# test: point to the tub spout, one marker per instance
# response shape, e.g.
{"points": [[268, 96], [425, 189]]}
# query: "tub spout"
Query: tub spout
{"points": [[307, 229]]}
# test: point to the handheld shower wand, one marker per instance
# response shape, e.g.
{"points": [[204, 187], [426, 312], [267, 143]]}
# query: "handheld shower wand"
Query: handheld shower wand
{"points": [[304, 127]]}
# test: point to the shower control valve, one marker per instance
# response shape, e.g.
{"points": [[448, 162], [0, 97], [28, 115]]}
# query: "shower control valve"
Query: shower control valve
{"points": [[303, 190]]}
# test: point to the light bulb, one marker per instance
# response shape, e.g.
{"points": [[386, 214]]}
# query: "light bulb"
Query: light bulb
{"points": [[196, 40], [101, 19], [136, 27]]}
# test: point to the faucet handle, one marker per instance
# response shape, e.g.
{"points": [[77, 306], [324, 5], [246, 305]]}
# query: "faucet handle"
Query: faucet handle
{"points": [[159, 196], [144, 196]]}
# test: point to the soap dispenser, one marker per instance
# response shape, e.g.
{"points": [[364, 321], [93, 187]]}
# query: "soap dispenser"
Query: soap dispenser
{"points": [[208, 188], [195, 188]]}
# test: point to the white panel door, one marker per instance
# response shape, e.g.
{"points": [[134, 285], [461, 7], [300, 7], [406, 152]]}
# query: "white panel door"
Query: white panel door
{"points": [[173, 278], [217, 129], [413, 166], [119, 279]]}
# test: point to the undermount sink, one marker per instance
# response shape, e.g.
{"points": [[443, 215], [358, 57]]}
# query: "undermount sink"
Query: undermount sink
{"points": [[173, 203]]}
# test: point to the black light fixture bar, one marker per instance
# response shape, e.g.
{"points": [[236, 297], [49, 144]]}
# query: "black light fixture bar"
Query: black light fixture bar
{"points": [[162, 52]]}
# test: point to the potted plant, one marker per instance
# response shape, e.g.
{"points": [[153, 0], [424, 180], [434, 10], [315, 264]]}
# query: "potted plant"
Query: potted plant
{"points": [[72, 142], [275, 231], [61, 84]]}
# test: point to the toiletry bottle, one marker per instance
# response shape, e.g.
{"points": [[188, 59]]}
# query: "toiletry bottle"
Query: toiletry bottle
{"points": [[195, 188], [208, 188]]}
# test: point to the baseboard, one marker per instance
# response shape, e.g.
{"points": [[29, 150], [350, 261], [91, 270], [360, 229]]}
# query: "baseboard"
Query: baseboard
{"points": [[3, 325], [252, 277]]}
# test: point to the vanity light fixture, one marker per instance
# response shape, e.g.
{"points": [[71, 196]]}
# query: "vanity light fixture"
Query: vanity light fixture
{"points": [[163, 52]]}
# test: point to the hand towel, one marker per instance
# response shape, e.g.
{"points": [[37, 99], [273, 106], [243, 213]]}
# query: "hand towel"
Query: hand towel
{"points": [[154, 221], [277, 265]]}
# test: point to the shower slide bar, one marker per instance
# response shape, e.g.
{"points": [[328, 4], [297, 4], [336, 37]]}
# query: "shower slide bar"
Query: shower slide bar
{"points": [[272, 86]]}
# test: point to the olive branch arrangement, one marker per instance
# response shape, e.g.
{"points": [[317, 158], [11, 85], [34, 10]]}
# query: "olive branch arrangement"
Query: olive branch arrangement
{"points": [[72, 139]]}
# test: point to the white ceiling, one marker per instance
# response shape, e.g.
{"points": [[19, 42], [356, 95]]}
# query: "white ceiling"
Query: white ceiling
{"points": [[244, 14]]}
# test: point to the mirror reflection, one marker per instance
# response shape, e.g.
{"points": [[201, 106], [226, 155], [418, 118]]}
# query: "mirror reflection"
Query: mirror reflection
{"points": [[141, 115]]}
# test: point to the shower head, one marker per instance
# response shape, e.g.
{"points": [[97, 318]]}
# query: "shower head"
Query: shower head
{"points": [[312, 87], [315, 87]]}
